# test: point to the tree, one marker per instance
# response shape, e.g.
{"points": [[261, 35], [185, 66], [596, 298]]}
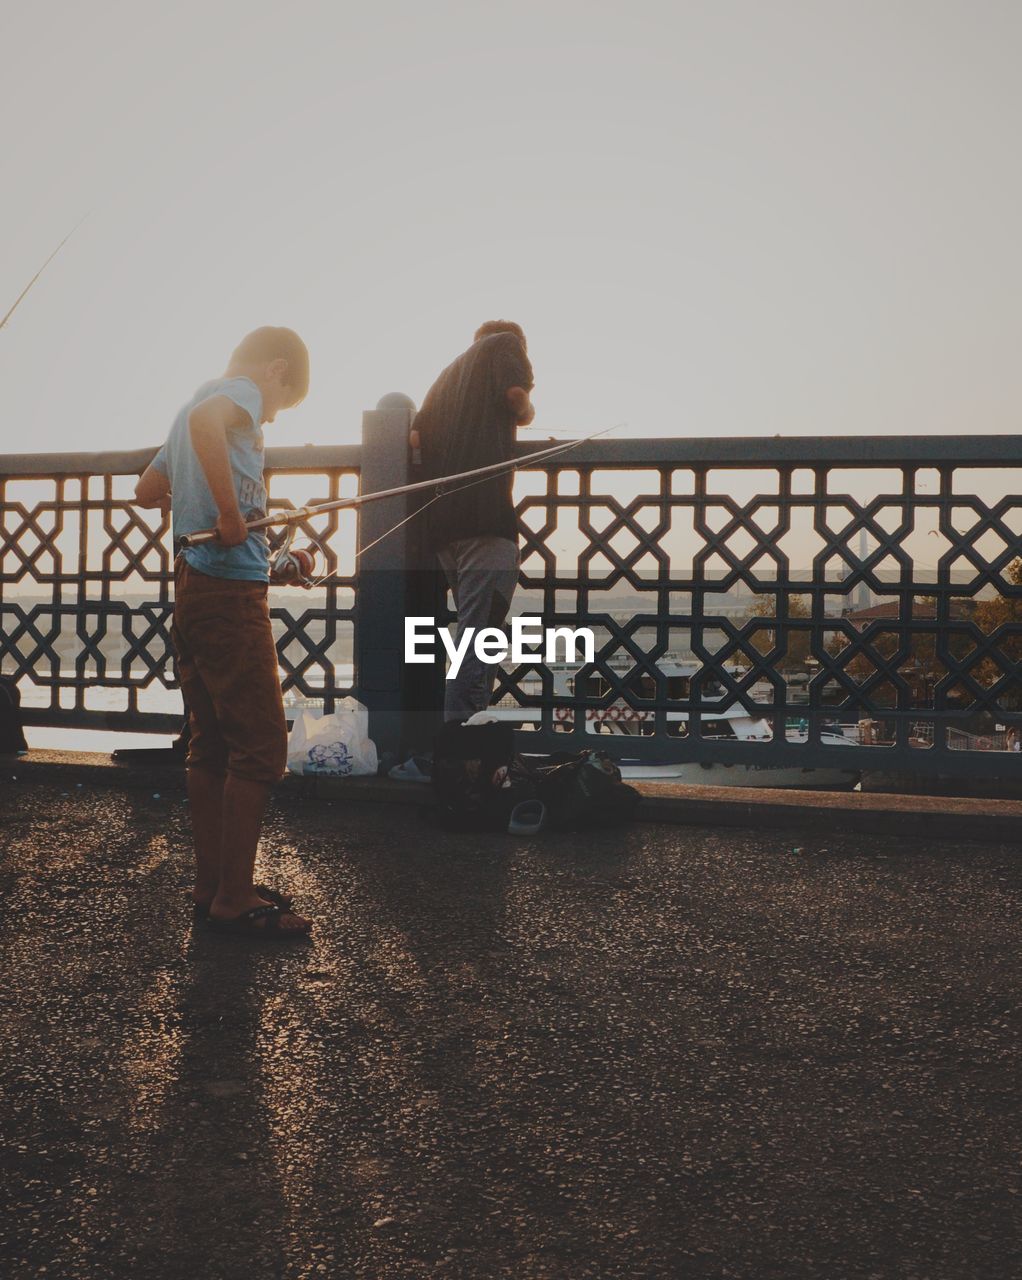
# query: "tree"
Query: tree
{"points": [[920, 665], [994, 613], [799, 642]]}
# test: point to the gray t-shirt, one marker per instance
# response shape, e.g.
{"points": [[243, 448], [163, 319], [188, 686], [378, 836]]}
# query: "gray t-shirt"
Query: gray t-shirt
{"points": [[192, 502]]}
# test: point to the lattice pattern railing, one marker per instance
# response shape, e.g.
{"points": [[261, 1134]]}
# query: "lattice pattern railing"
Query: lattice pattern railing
{"points": [[868, 583], [878, 577], [86, 577]]}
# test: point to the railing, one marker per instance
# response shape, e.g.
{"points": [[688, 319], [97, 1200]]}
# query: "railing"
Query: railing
{"points": [[86, 588], [719, 576], [924, 530]]}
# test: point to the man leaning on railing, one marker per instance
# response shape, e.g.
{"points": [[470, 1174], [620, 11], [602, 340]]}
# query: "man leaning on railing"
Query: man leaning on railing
{"points": [[468, 420]]}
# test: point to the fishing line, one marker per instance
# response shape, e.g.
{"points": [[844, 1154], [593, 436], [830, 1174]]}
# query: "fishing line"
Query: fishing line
{"points": [[446, 493], [394, 528], [417, 512], [290, 519], [307, 513]]}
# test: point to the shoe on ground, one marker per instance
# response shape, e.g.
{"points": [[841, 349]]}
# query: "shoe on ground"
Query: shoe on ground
{"points": [[414, 769], [527, 818]]}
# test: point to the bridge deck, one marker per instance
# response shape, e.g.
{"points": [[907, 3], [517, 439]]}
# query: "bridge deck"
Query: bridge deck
{"points": [[669, 1051]]}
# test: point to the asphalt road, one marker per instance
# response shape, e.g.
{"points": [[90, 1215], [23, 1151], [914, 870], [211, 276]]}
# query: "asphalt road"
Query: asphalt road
{"points": [[667, 1052]]}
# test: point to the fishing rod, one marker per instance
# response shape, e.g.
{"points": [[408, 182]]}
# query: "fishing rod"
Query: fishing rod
{"points": [[299, 514], [22, 295]]}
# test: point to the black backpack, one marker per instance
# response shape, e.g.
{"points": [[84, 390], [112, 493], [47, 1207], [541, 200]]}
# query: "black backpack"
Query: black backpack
{"points": [[12, 736], [584, 791], [478, 779]]}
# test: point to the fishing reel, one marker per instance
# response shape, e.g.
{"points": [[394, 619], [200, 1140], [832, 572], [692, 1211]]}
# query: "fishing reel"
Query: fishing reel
{"points": [[294, 566]]}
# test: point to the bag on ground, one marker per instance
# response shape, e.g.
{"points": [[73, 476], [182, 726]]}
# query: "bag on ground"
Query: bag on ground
{"points": [[336, 744], [475, 781], [478, 780], [585, 790]]}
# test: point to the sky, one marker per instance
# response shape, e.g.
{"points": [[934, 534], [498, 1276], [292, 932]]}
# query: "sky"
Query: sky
{"points": [[712, 219]]}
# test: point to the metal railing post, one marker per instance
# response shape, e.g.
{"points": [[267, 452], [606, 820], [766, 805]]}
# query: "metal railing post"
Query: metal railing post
{"points": [[382, 573]]}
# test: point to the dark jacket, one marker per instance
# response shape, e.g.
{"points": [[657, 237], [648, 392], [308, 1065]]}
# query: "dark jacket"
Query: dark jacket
{"points": [[466, 422]]}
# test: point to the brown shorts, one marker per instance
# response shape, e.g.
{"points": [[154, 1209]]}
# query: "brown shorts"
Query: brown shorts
{"points": [[227, 666]]}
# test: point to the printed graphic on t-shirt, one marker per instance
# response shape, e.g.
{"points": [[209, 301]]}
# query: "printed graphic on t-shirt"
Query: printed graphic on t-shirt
{"points": [[250, 492]]}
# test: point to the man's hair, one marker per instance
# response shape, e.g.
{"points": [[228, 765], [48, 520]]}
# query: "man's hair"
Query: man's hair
{"points": [[273, 343], [500, 326]]}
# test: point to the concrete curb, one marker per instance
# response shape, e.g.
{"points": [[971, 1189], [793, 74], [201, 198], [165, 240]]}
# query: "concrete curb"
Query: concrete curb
{"points": [[934, 817], [930, 817]]}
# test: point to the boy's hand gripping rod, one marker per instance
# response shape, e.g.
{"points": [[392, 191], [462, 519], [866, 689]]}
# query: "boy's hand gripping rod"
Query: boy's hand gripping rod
{"points": [[304, 513]]}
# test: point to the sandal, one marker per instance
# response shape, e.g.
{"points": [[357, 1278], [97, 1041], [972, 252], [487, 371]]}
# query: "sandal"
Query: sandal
{"points": [[247, 925], [200, 910]]}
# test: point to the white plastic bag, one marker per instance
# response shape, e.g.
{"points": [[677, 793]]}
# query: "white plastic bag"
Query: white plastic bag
{"points": [[336, 745]]}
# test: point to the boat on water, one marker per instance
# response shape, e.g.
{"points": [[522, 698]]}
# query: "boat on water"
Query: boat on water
{"points": [[618, 722]]}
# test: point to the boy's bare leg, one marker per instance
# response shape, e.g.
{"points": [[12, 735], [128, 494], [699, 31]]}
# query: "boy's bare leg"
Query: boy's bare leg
{"points": [[242, 806], [205, 800], [244, 802]]}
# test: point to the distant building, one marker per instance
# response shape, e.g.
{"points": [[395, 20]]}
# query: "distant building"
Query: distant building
{"points": [[888, 612]]}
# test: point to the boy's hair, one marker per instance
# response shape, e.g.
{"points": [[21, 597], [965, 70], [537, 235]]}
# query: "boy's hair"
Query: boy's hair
{"points": [[273, 343], [500, 326]]}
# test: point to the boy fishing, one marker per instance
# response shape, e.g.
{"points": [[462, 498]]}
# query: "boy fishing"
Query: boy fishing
{"points": [[211, 471]]}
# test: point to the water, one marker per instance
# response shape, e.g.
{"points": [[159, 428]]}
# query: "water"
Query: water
{"points": [[41, 738], [155, 698]]}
